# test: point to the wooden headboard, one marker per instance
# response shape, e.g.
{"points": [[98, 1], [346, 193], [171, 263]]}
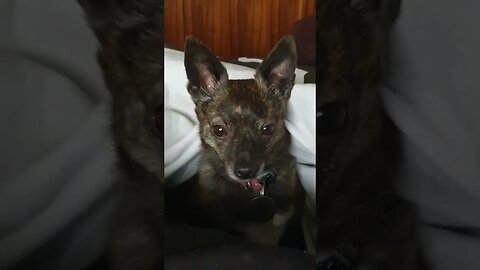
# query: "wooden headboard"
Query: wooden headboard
{"points": [[233, 28]]}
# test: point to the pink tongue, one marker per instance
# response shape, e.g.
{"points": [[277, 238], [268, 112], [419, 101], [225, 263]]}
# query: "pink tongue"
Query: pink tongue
{"points": [[255, 185], [252, 185]]}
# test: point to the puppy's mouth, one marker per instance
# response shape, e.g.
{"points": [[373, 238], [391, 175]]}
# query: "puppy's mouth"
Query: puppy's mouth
{"points": [[253, 185], [257, 184]]}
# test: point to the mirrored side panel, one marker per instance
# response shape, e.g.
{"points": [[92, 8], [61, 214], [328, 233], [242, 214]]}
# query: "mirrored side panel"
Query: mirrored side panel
{"points": [[130, 54]]}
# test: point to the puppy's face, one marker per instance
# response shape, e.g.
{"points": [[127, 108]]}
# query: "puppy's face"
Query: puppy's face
{"points": [[241, 121]]}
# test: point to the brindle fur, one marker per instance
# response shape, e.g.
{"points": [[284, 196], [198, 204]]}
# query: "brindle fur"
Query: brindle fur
{"points": [[215, 198], [130, 35], [360, 215]]}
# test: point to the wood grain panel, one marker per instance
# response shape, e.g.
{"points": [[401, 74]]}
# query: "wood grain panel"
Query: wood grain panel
{"points": [[233, 28]]}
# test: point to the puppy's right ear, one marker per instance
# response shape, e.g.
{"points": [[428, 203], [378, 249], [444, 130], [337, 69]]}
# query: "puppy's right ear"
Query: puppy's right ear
{"points": [[205, 73]]}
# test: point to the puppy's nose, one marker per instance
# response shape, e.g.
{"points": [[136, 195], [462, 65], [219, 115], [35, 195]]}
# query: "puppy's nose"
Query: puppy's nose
{"points": [[243, 172]]}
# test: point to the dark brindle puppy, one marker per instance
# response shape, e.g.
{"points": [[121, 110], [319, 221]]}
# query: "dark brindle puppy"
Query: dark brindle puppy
{"points": [[130, 33], [244, 142], [361, 219]]}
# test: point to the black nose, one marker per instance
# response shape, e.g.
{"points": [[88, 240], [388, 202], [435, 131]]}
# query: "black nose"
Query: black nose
{"points": [[243, 172]]}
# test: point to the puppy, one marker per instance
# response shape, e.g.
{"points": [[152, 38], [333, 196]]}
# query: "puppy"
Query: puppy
{"points": [[247, 181]]}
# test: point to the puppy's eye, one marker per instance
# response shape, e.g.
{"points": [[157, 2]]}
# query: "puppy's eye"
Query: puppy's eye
{"points": [[332, 117], [267, 130], [158, 122], [219, 131]]}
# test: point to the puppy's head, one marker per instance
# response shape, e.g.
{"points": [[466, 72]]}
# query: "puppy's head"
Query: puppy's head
{"points": [[241, 121]]}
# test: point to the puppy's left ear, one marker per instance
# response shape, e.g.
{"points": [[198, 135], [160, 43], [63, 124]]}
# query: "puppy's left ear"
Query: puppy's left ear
{"points": [[277, 72]]}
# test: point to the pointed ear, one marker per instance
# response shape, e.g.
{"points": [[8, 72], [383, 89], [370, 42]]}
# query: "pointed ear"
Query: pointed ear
{"points": [[277, 72], [205, 73]]}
